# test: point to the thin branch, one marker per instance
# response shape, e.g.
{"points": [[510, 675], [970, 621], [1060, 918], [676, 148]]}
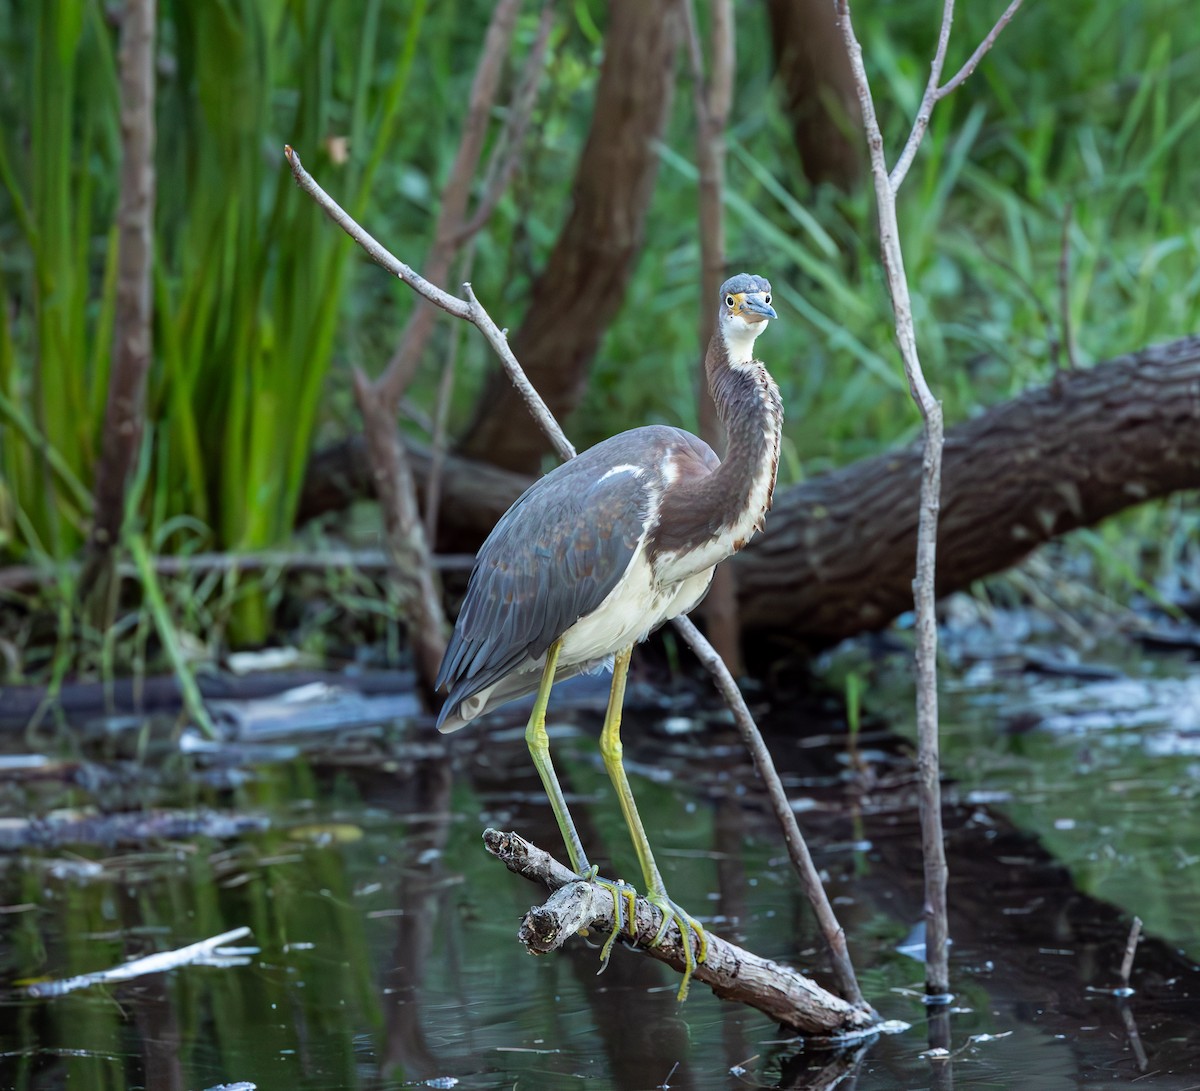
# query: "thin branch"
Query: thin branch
{"points": [[937, 976], [928, 99], [732, 972], [802, 861], [1135, 933], [934, 94], [469, 309], [973, 61], [133, 327]]}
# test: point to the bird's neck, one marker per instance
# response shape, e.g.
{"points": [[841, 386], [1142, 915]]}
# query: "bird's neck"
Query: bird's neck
{"points": [[708, 517], [749, 407]]}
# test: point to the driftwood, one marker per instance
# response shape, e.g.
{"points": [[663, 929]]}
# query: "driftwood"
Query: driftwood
{"points": [[780, 992], [838, 553]]}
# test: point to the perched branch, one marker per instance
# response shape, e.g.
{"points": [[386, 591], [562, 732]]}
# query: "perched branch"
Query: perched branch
{"points": [[731, 972]]}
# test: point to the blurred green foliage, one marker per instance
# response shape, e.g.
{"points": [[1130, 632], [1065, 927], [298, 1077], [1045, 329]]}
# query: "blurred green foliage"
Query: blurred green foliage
{"points": [[1077, 135]]}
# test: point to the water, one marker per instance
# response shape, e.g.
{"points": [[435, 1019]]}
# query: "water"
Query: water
{"points": [[382, 947]]}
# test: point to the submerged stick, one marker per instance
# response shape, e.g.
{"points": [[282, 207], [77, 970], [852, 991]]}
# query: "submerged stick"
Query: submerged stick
{"points": [[733, 973], [1135, 933]]}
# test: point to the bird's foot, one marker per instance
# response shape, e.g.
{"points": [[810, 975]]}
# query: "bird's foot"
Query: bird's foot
{"points": [[687, 924], [624, 910]]}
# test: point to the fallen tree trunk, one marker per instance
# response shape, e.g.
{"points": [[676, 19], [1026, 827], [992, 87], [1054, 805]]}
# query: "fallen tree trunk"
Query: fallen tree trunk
{"points": [[839, 551], [730, 971], [837, 556]]}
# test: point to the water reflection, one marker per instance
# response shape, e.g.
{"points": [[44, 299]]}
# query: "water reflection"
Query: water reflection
{"points": [[387, 936]]}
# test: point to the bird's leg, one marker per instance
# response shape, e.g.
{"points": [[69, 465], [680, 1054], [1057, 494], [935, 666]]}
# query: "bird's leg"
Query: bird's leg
{"points": [[538, 742], [611, 749]]}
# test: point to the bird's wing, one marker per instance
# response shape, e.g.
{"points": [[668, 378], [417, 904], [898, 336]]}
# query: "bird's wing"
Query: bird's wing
{"points": [[553, 557]]}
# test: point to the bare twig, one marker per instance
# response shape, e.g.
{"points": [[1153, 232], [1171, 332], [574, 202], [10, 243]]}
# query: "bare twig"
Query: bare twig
{"points": [[802, 861], [1135, 933], [730, 971], [405, 537], [469, 309], [928, 99], [503, 167], [937, 978], [935, 93], [957, 79]]}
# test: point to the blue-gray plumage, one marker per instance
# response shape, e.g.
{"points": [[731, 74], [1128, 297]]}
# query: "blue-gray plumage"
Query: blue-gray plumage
{"points": [[607, 547]]}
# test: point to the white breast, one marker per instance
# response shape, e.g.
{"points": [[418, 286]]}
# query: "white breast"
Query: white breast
{"points": [[639, 604]]}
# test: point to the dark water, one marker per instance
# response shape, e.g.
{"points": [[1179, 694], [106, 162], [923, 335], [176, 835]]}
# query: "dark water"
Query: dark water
{"points": [[382, 949]]}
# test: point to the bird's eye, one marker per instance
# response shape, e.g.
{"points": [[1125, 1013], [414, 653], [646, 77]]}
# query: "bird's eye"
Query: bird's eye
{"points": [[767, 299], [729, 301]]}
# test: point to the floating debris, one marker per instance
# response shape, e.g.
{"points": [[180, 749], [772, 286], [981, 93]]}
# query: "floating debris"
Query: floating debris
{"points": [[206, 951]]}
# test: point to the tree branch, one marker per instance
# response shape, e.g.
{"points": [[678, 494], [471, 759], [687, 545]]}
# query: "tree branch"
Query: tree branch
{"points": [[469, 309], [732, 972]]}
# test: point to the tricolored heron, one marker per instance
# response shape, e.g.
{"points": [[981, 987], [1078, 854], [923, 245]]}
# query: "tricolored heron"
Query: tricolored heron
{"points": [[603, 550]]}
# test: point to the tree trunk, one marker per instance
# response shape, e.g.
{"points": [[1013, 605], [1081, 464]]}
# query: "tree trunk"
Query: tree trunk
{"points": [[125, 410], [838, 553], [583, 284], [818, 90]]}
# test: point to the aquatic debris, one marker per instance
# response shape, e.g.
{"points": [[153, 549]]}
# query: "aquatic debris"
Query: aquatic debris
{"points": [[207, 950]]}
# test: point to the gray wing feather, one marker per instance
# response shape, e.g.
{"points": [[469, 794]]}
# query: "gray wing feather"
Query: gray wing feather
{"points": [[554, 557]]}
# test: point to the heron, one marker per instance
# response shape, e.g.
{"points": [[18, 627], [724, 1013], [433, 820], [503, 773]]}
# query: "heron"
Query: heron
{"points": [[599, 553]]}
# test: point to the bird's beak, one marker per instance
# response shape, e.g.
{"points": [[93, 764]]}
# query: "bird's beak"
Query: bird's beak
{"points": [[755, 308]]}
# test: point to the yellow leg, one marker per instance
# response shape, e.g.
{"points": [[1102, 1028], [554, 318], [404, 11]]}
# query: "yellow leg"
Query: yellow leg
{"points": [[539, 749], [611, 749]]}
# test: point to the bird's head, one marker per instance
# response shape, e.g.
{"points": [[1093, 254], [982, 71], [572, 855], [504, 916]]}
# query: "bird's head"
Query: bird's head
{"points": [[745, 309]]}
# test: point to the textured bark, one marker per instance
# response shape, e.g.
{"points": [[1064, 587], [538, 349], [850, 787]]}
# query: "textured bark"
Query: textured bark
{"points": [[473, 494], [132, 335], [818, 90], [838, 553], [583, 284]]}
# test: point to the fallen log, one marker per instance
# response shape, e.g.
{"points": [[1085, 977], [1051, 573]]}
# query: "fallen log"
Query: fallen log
{"points": [[731, 972], [838, 553]]}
